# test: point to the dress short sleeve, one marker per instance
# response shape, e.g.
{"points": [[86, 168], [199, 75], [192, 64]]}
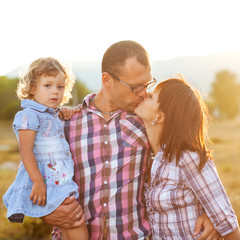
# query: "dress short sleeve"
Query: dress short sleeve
{"points": [[26, 119]]}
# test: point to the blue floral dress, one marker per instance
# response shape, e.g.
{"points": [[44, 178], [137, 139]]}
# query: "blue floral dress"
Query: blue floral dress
{"points": [[54, 161]]}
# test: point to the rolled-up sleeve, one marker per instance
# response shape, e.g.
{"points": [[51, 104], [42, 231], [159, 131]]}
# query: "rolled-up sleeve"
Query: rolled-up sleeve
{"points": [[26, 120], [209, 190]]}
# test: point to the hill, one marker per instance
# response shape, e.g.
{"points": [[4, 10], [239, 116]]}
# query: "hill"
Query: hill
{"points": [[200, 71]]}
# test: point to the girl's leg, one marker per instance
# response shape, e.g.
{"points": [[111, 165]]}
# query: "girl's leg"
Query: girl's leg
{"points": [[80, 233]]}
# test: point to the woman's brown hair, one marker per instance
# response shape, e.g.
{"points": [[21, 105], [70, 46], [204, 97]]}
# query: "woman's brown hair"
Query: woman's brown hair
{"points": [[185, 120]]}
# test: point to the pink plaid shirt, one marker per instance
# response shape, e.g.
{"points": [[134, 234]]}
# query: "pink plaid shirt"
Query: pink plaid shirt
{"points": [[110, 160], [178, 195]]}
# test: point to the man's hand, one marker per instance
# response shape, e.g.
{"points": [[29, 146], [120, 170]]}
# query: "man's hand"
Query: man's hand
{"points": [[209, 232], [68, 215]]}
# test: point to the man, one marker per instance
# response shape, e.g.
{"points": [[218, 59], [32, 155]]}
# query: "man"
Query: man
{"points": [[110, 151]]}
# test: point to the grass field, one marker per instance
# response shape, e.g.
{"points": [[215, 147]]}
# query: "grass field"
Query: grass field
{"points": [[225, 136]]}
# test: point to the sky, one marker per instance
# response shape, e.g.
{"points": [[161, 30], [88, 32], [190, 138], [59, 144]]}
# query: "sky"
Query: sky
{"points": [[74, 30]]}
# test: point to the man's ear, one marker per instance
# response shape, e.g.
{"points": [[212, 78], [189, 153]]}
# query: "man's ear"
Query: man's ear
{"points": [[106, 79]]}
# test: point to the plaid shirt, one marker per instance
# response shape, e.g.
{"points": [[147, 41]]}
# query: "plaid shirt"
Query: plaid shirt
{"points": [[178, 195], [110, 160]]}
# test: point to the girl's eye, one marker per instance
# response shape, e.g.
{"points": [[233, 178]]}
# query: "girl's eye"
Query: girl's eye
{"points": [[47, 85], [61, 87]]}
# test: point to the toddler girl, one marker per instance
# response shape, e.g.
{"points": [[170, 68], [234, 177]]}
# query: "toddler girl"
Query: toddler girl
{"points": [[44, 179]]}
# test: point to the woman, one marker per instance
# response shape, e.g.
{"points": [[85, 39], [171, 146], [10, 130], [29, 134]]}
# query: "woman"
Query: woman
{"points": [[184, 183]]}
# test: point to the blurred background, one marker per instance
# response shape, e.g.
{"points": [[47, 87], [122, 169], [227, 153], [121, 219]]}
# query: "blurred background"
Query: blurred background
{"points": [[199, 39]]}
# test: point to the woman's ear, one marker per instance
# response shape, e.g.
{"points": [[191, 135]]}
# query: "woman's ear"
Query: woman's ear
{"points": [[161, 117]]}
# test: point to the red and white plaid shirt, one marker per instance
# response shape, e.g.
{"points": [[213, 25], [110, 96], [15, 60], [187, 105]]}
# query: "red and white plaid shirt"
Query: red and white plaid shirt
{"points": [[178, 195], [110, 161]]}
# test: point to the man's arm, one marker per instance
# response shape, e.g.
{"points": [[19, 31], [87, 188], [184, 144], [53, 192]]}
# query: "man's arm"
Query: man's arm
{"points": [[209, 232], [68, 215]]}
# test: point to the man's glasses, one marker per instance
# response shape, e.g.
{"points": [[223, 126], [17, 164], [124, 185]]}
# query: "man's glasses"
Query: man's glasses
{"points": [[138, 88]]}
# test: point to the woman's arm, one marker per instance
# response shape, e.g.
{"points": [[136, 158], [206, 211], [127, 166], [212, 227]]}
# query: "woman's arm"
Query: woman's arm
{"points": [[26, 142], [209, 190]]}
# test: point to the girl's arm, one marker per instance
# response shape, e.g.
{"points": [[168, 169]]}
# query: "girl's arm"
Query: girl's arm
{"points": [[26, 142]]}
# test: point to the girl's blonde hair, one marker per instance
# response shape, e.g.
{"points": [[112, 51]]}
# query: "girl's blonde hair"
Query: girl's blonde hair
{"points": [[44, 66]]}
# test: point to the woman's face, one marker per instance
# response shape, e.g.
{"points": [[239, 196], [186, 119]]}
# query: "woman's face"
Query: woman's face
{"points": [[148, 109]]}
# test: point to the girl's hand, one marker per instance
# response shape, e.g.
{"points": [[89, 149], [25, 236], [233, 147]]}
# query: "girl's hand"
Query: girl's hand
{"points": [[66, 113], [38, 193]]}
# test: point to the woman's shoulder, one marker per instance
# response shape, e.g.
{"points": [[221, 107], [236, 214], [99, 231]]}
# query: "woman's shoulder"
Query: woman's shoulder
{"points": [[189, 157]]}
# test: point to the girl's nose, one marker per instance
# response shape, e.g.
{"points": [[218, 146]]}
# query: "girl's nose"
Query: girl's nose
{"points": [[55, 90]]}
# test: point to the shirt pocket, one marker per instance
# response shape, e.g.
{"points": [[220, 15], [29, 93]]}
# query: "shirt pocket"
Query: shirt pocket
{"points": [[47, 128], [133, 134]]}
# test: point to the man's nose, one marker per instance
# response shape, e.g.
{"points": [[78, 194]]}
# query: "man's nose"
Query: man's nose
{"points": [[143, 93]]}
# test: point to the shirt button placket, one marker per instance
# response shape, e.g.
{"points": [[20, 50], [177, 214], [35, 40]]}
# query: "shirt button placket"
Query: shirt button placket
{"points": [[106, 170]]}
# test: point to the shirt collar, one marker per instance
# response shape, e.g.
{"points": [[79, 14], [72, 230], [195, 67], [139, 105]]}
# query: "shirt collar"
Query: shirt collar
{"points": [[27, 103], [86, 105], [87, 100]]}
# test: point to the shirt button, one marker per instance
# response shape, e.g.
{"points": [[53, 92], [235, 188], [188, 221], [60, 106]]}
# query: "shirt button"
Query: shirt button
{"points": [[105, 182], [68, 154], [62, 136], [106, 142], [107, 162], [104, 204], [55, 115], [105, 125]]}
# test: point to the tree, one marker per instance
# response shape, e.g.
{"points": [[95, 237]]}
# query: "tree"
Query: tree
{"points": [[10, 104], [225, 93], [78, 93]]}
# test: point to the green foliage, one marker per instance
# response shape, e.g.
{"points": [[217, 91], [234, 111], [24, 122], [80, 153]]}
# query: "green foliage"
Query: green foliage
{"points": [[10, 104], [225, 93], [79, 92]]}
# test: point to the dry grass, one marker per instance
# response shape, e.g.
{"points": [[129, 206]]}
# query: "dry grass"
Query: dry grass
{"points": [[226, 138], [32, 228]]}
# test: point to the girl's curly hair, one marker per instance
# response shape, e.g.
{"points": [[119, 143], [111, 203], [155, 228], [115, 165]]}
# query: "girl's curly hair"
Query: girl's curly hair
{"points": [[44, 66]]}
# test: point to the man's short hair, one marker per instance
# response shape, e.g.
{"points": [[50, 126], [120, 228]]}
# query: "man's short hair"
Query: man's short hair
{"points": [[116, 55]]}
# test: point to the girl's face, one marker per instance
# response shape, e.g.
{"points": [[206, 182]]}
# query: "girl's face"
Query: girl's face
{"points": [[50, 90], [148, 109]]}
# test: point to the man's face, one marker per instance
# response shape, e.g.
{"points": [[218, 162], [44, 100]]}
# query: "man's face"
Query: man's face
{"points": [[149, 108], [133, 74]]}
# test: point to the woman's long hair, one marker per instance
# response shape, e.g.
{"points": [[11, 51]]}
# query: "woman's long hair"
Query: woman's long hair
{"points": [[184, 122]]}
